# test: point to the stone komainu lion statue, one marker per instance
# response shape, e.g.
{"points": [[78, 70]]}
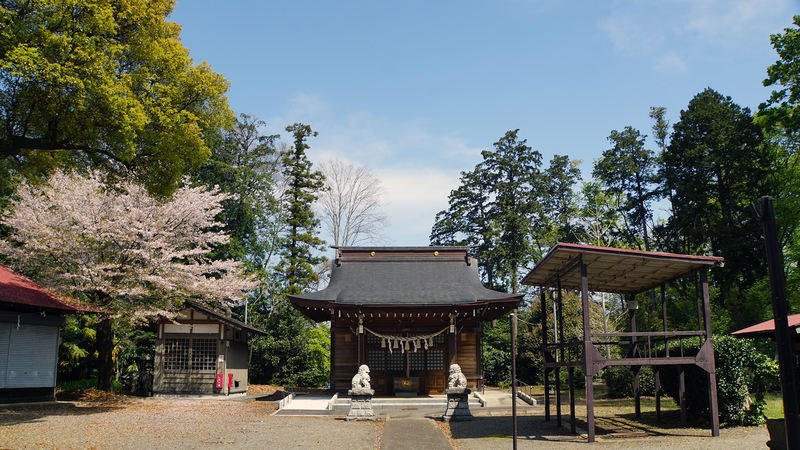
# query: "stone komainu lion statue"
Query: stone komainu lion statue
{"points": [[361, 379], [457, 379]]}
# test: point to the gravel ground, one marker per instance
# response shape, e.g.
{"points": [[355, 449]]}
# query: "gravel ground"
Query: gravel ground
{"points": [[161, 423], [490, 433], [245, 423]]}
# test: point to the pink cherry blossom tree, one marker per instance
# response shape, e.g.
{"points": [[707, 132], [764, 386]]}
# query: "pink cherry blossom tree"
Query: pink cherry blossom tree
{"points": [[130, 254]]}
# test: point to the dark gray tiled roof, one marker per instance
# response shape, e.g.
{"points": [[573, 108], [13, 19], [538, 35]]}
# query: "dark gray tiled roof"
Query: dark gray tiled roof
{"points": [[406, 279]]}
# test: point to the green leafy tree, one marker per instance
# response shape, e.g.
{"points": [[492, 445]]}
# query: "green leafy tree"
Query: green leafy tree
{"points": [[105, 84], [76, 353], [243, 164], [782, 109], [780, 118]]}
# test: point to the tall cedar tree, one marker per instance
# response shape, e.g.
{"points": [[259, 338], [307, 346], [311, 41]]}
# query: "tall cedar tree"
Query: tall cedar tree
{"points": [[629, 171], [296, 268], [468, 221], [715, 166], [513, 171], [494, 210]]}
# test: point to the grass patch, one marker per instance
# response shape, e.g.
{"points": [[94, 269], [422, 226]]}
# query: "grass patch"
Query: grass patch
{"points": [[774, 406], [85, 384]]}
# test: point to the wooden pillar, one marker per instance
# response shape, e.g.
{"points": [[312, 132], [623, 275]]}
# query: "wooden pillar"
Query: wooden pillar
{"points": [[657, 374], [560, 352], [571, 376], [637, 394], [588, 368], [682, 394], [543, 298], [712, 375]]}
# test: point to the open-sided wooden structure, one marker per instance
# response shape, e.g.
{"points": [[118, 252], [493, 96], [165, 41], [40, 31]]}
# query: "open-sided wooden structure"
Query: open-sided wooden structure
{"points": [[628, 272], [406, 312]]}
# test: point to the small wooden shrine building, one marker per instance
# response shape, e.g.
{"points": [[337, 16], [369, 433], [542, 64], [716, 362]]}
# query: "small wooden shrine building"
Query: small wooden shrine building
{"points": [[201, 351], [406, 312], [586, 269], [30, 321]]}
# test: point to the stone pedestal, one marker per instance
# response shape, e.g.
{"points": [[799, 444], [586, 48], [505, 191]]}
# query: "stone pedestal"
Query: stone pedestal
{"points": [[361, 404], [457, 405]]}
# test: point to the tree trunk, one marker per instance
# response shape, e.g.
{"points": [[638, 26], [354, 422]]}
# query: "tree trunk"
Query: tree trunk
{"points": [[105, 346]]}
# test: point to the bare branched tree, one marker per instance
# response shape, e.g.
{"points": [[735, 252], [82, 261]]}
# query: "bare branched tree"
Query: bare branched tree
{"points": [[350, 207]]}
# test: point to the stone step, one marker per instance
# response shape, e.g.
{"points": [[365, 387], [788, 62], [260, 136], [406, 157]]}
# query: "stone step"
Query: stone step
{"points": [[403, 403]]}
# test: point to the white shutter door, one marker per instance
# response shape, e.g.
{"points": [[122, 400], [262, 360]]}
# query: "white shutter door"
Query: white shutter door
{"points": [[32, 356], [5, 339]]}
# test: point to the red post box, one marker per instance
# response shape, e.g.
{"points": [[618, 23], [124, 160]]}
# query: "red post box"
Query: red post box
{"points": [[219, 380], [230, 380]]}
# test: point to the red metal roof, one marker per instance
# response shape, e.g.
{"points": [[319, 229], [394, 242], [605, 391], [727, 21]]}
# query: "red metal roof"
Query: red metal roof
{"points": [[16, 289], [767, 328]]}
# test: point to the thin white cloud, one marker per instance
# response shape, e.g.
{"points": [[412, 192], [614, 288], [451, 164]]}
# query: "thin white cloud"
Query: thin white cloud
{"points": [[670, 62], [414, 197], [672, 32], [629, 33], [417, 164], [732, 23]]}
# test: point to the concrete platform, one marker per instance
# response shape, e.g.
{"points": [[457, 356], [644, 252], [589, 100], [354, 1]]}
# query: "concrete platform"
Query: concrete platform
{"points": [[309, 402], [490, 403]]}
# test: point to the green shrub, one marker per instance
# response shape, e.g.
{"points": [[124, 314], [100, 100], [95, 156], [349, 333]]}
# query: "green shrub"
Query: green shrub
{"points": [[741, 371], [619, 381]]}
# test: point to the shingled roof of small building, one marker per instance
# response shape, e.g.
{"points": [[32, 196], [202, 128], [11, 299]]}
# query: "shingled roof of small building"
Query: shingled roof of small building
{"points": [[405, 276], [222, 317], [20, 292]]}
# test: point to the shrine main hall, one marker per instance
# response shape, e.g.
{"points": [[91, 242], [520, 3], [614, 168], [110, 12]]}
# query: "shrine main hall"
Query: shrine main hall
{"points": [[406, 312]]}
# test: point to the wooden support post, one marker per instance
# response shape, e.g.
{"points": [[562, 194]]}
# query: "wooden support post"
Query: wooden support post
{"points": [[558, 396], [657, 386], [543, 298], [637, 394], [546, 395], [682, 394], [571, 376], [514, 378], [560, 321], [588, 368], [791, 410], [712, 376]]}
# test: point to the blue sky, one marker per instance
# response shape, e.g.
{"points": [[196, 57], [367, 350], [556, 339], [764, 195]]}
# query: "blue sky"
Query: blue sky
{"points": [[416, 89]]}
